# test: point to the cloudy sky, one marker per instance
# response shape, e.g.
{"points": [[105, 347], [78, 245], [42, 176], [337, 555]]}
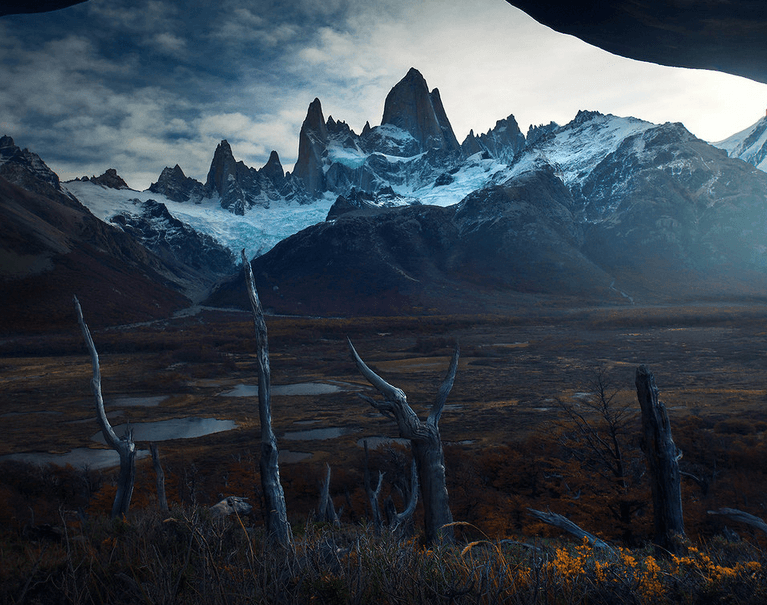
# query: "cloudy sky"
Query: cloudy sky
{"points": [[138, 85]]}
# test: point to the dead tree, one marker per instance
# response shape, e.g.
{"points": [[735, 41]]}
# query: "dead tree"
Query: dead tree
{"points": [[425, 442], [162, 500], [401, 522], [124, 445], [564, 523], [327, 511], [598, 428], [741, 517], [662, 462], [373, 494], [277, 525]]}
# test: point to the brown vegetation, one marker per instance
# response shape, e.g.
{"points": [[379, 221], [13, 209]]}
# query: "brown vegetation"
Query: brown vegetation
{"points": [[509, 446]]}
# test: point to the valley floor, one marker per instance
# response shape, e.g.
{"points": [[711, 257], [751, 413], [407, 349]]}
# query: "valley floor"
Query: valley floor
{"points": [[508, 443]]}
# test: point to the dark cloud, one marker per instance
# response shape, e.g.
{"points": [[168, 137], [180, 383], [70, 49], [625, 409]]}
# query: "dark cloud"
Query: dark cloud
{"points": [[141, 84]]}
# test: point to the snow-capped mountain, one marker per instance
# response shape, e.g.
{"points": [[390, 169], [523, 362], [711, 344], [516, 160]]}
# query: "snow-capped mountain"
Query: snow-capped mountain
{"points": [[603, 209], [401, 217], [750, 145], [413, 157], [52, 247]]}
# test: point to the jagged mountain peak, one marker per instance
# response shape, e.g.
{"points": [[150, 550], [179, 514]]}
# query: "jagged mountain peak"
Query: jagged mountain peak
{"points": [[273, 168], [110, 179], [24, 168], [314, 121], [176, 186], [221, 167], [411, 107], [504, 141], [311, 143]]}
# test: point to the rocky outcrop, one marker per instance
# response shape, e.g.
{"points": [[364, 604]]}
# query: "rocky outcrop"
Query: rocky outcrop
{"points": [[410, 107], [273, 169], [353, 202], [26, 169], [176, 186], [451, 143], [502, 142], [727, 35], [239, 186], [312, 142], [536, 133], [110, 179]]}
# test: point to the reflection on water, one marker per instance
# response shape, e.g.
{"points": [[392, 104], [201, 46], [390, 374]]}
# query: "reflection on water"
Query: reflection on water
{"points": [[325, 433], [297, 389], [376, 442], [79, 458], [176, 428]]}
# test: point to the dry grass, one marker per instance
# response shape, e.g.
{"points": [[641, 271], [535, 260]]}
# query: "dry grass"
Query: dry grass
{"points": [[189, 558]]}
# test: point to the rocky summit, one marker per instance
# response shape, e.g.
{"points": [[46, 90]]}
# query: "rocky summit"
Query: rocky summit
{"points": [[176, 186], [410, 152], [412, 108], [603, 210]]}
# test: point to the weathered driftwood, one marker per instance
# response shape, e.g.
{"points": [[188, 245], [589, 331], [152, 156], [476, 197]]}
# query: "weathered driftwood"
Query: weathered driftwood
{"points": [[159, 474], [327, 511], [564, 523], [741, 517], [124, 446], [425, 443], [277, 525], [231, 505], [662, 462]]}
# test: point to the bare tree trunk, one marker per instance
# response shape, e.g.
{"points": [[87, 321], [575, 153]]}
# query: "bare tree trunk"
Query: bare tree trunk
{"points": [[160, 478], [741, 517], [564, 523], [400, 522], [425, 442], [372, 494], [124, 446], [662, 462], [277, 525], [327, 511]]}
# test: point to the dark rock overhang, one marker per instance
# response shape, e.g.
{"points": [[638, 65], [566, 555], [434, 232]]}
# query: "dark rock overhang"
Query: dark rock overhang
{"points": [[17, 7], [722, 35]]}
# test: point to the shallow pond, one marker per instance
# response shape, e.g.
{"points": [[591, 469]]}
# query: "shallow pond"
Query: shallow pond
{"points": [[175, 428], [287, 390], [323, 433], [79, 458]]}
